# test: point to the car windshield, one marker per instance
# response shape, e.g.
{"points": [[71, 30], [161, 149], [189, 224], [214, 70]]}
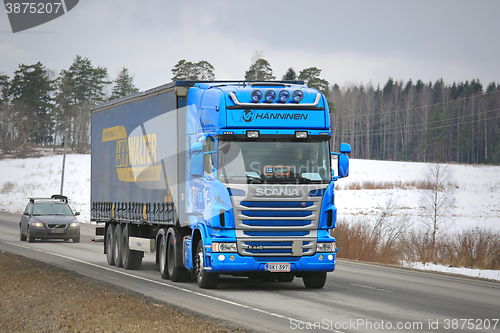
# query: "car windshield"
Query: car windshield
{"points": [[274, 162], [51, 209]]}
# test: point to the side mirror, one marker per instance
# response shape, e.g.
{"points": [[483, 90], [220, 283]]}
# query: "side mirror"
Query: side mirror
{"points": [[345, 148], [26, 213], [343, 165], [77, 213]]}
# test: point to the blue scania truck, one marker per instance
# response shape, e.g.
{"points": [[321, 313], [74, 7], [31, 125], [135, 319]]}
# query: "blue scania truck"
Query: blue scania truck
{"points": [[218, 178]]}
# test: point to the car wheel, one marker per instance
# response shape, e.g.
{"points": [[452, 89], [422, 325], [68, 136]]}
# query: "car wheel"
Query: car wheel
{"points": [[31, 239], [314, 280], [110, 235], [131, 259], [117, 245], [163, 257], [21, 235], [76, 239], [206, 280], [176, 273]]}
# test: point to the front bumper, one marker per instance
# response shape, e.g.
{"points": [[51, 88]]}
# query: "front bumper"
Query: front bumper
{"points": [[257, 264], [46, 233]]}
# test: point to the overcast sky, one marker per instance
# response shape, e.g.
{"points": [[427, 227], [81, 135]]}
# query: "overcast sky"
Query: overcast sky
{"points": [[352, 41]]}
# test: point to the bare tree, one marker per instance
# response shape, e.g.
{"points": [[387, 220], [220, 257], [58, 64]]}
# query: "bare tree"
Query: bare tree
{"points": [[438, 199]]}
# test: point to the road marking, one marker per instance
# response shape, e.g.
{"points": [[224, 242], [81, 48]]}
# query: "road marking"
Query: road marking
{"points": [[363, 286], [175, 287]]}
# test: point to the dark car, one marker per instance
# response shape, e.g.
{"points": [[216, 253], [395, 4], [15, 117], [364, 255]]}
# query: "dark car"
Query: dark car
{"points": [[49, 218]]}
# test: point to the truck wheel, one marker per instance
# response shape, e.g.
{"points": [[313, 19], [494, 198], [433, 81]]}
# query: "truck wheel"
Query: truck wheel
{"points": [[206, 280], [314, 280], [176, 273], [131, 259], [22, 237], [162, 257], [110, 244], [117, 245], [31, 239]]}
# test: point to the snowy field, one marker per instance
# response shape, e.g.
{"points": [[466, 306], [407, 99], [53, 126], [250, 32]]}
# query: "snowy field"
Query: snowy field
{"points": [[477, 197]]}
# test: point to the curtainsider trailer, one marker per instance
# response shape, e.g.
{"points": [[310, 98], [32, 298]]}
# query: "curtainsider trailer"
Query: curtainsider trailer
{"points": [[218, 178]]}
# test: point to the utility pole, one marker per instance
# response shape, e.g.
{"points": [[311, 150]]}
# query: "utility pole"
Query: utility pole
{"points": [[64, 159]]}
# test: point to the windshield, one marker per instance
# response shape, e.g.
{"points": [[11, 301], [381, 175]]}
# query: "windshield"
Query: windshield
{"points": [[274, 162], [51, 209]]}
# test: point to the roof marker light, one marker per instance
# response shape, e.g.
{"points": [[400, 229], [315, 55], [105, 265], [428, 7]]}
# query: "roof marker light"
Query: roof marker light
{"points": [[256, 95], [270, 96], [283, 96], [297, 96]]}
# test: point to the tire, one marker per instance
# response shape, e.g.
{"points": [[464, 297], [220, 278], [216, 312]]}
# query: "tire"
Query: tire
{"points": [[206, 280], [162, 257], [314, 280], [131, 259], [176, 272], [31, 239], [285, 277], [76, 239], [22, 237], [117, 245], [110, 244]]}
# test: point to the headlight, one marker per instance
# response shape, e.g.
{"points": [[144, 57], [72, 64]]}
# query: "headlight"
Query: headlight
{"points": [[297, 96], [325, 247], [37, 224], [74, 225], [256, 95], [224, 247]]}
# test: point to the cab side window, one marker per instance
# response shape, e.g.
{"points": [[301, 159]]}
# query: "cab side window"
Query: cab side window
{"points": [[208, 159]]}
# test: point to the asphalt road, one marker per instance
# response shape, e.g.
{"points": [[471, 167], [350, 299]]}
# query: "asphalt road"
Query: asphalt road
{"points": [[357, 297]]}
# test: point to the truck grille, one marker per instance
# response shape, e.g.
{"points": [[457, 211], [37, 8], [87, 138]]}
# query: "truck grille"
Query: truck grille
{"points": [[276, 227]]}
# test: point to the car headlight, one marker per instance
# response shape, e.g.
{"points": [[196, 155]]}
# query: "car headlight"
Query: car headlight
{"points": [[325, 247], [224, 247], [74, 225], [37, 224]]}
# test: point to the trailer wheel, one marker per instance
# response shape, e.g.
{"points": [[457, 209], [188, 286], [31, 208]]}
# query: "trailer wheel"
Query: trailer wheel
{"points": [[131, 259], [117, 247], [314, 280], [176, 273], [110, 246], [163, 257], [206, 280]]}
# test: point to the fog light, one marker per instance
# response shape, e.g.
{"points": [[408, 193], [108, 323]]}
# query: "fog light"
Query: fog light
{"points": [[270, 96], [321, 257], [253, 134], [301, 135], [297, 96], [232, 257], [256, 95], [221, 257], [330, 257], [283, 96]]}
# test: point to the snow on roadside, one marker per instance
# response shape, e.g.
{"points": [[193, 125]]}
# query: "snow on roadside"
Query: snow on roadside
{"points": [[479, 273]]}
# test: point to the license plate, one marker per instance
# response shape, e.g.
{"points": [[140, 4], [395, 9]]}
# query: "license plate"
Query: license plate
{"points": [[57, 231], [277, 267]]}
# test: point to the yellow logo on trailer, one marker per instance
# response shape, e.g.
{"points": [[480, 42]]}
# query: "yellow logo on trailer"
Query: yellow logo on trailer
{"points": [[134, 155]]}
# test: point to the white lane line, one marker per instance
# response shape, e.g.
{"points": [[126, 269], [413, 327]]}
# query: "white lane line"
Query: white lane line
{"points": [[368, 287], [174, 287]]}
